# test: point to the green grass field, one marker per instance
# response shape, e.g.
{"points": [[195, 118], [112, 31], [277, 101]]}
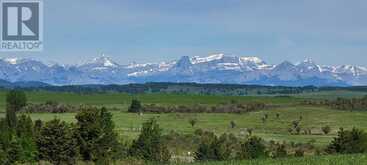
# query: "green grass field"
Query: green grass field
{"points": [[122, 100], [273, 129], [313, 118]]}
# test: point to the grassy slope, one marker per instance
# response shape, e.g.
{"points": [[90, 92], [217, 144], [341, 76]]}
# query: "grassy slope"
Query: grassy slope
{"points": [[273, 129]]}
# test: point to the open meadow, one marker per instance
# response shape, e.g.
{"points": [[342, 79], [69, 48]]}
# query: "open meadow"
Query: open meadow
{"points": [[283, 111], [288, 108]]}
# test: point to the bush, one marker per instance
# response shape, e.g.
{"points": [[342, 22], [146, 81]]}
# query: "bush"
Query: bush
{"points": [[225, 147], [50, 107], [278, 150], [205, 150], [57, 143], [299, 152], [252, 148], [213, 148], [326, 130], [232, 124], [222, 108], [348, 142], [193, 122], [149, 145]]}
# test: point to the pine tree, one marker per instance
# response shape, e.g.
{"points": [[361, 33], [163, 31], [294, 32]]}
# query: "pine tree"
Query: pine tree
{"points": [[26, 139], [135, 106], [96, 135], [15, 101], [57, 143], [149, 145]]}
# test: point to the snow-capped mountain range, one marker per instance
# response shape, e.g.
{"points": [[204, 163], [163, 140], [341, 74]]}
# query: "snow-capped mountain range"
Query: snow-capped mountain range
{"points": [[217, 68]]}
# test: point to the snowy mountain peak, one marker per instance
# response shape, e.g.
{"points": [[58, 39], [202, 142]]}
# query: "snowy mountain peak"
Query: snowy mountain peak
{"points": [[309, 61], [349, 69], [285, 65], [184, 62], [215, 68], [255, 60], [12, 61], [197, 59], [104, 61]]}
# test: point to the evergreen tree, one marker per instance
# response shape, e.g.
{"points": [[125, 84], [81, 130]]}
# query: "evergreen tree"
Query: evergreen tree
{"points": [[26, 139], [24, 126], [135, 106], [349, 142], [37, 127], [57, 143], [96, 135], [149, 145], [15, 101]]}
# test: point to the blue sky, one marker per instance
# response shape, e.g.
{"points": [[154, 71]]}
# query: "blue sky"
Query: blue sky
{"points": [[328, 31]]}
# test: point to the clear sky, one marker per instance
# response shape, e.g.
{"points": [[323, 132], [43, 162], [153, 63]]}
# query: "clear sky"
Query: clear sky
{"points": [[328, 31]]}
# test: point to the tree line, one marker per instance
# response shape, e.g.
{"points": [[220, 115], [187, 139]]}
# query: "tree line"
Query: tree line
{"points": [[180, 88], [231, 107], [341, 103]]}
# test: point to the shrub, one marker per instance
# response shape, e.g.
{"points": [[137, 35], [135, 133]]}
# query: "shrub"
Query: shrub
{"points": [[326, 129], [347, 142], [213, 148], [249, 131], [50, 107], [149, 145], [232, 124], [222, 108], [252, 148], [225, 147], [193, 122], [205, 150], [278, 150], [299, 152], [57, 143]]}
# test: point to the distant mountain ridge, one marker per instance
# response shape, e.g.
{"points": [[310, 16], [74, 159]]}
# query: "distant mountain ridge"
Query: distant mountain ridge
{"points": [[216, 68]]}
